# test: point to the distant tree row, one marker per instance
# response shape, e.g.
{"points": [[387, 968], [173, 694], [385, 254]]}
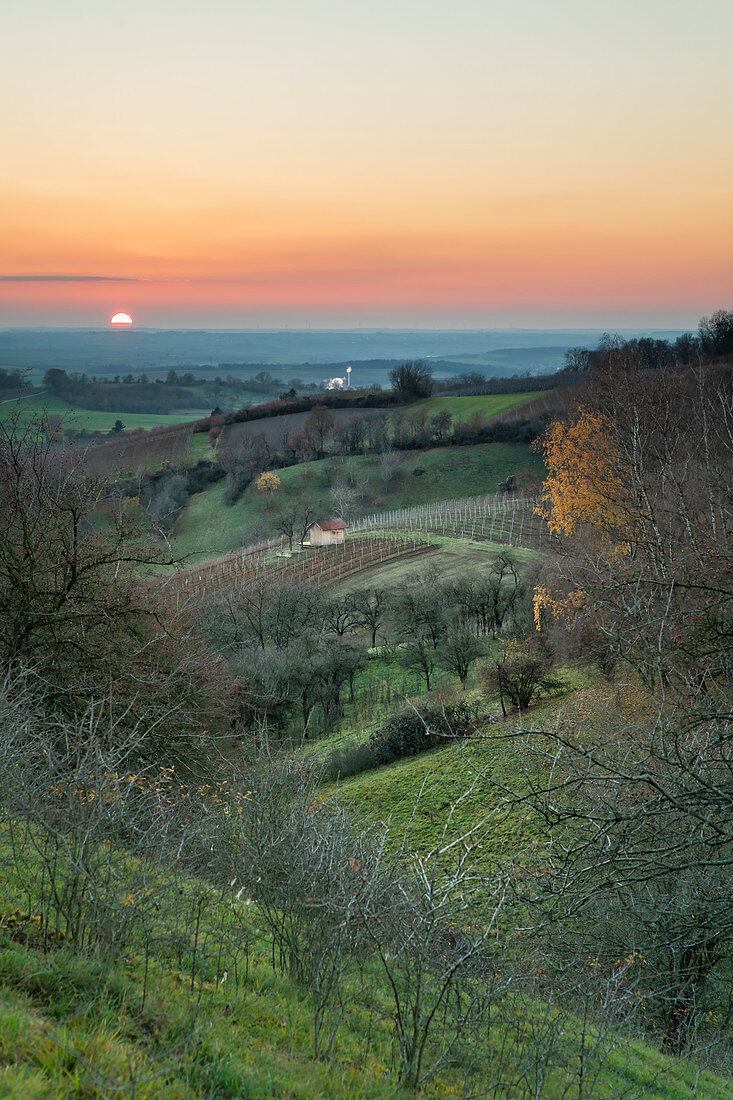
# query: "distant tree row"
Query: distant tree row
{"points": [[714, 337], [11, 379]]}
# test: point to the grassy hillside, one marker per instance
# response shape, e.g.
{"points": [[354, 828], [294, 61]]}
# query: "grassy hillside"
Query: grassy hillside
{"points": [[165, 1028], [209, 527], [206, 1015], [460, 408], [415, 792]]}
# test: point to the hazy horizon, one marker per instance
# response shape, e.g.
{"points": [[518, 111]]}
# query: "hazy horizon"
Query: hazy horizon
{"points": [[366, 329]]}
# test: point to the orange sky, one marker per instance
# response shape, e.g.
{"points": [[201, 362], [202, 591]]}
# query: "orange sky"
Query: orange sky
{"points": [[430, 164]]}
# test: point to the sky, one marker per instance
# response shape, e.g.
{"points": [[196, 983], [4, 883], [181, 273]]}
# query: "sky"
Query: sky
{"points": [[436, 164]]}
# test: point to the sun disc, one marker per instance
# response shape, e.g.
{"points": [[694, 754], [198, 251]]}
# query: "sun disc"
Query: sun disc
{"points": [[121, 319]]}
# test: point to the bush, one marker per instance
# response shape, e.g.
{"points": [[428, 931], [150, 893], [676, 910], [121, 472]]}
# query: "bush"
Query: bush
{"points": [[166, 499], [407, 734], [240, 476], [523, 673], [352, 760], [204, 474], [164, 494]]}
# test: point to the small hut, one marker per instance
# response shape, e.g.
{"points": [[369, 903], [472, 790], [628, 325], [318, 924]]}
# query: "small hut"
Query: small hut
{"points": [[327, 532]]}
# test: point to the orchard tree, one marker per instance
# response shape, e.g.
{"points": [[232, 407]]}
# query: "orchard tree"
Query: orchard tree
{"points": [[522, 674], [418, 655], [370, 608], [460, 651], [287, 519]]}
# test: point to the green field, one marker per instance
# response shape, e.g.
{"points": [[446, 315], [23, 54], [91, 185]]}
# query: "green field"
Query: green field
{"points": [[91, 420], [416, 791], [209, 528], [487, 405]]}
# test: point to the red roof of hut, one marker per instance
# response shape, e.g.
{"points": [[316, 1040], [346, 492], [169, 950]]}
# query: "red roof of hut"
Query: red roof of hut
{"points": [[330, 524]]}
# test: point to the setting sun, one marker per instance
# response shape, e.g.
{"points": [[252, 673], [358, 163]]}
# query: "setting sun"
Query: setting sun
{"points": [[121, 319]]}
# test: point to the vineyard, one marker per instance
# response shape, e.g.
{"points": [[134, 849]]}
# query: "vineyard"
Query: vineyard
{"points": [[270, 559], [140, 451], [511, 520]]}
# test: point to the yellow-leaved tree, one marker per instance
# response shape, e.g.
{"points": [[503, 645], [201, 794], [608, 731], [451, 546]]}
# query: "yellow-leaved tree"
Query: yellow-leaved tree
{"points": [[587, 492], [586, 483], [268, 482]]}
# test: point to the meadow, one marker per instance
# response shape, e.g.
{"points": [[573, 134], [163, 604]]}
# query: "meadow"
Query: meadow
{"points": [[199, 1004], [207, 1015]]}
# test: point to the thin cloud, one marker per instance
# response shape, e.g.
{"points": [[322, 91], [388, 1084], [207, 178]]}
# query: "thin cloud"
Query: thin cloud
{"points": [[69, 279]]}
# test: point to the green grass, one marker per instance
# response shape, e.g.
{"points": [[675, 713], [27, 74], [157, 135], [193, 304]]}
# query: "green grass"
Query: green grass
{"points": [[456, 472], [460, 408], [208, 527], [71, 1028], [415, 793], [199, 446], [173, 1027], [92, 420], [418, 790]]}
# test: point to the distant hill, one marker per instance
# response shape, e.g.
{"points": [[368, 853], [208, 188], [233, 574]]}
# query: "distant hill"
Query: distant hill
{"points": [[309, 354]]}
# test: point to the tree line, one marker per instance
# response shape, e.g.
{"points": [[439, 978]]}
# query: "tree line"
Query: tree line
{"points": [[714, 337]]}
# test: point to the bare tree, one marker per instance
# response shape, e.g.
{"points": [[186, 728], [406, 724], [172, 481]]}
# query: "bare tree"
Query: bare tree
{"points": [[370, 607], [460, 650], [419, 655], [388, 462], [319, 426], [412, 380], [522, 673], [344, 498]]}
